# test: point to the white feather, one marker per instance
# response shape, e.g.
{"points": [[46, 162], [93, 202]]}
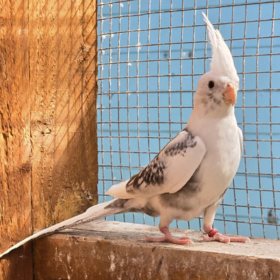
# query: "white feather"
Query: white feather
{"points": [[93, 213], [119, 190], [222, 62]]}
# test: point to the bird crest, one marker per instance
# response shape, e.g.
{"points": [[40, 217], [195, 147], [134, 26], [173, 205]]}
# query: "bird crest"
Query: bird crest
{"points": [[222, 61]]}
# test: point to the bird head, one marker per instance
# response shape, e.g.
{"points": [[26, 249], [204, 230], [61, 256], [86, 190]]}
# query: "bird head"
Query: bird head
{"points": [[218, 87]]}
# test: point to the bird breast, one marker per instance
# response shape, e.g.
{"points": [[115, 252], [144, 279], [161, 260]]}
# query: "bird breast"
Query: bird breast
{"points": [[222, 141]]}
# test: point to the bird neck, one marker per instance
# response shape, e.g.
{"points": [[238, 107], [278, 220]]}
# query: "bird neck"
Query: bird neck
{"points": [[200, 110]]}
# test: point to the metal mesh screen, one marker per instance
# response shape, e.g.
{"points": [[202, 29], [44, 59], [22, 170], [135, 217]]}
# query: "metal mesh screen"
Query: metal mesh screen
{"points": [[151, 56]]}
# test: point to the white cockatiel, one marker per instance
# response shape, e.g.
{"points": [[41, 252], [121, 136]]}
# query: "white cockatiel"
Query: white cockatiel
{"points": [[192, 173]]}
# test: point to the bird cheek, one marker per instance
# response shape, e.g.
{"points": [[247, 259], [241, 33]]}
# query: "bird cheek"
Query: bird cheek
{"points": [[230, 94]]}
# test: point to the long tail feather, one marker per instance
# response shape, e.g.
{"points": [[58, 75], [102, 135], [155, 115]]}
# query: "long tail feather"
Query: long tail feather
{"points": [[93, 213]]}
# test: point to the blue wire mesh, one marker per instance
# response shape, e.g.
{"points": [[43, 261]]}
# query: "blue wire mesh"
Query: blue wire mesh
{"points": [[151, 56]]}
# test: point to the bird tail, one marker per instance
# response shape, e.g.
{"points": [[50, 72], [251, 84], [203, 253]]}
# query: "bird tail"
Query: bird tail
{"points": [[96, 212]]}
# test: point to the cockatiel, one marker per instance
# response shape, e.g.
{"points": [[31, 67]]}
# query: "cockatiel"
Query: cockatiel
{"points": [[192, 173]]}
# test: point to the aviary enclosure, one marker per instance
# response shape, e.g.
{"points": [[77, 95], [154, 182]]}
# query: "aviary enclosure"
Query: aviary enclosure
{"points": [[90, 91], [151, 55]]}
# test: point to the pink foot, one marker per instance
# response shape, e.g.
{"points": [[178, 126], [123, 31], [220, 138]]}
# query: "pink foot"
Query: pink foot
{"points": [[214, 235], [169, 238]]}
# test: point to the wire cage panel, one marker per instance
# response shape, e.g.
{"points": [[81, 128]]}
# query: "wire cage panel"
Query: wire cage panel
{"points": [[151, 56]]}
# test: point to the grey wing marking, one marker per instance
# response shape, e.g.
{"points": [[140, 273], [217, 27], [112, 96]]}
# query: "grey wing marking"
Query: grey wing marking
{"points": [[178, 147], [153, 173]]}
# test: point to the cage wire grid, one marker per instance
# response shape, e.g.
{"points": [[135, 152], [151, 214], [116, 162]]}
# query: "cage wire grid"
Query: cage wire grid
{"points": [[151, 56]]}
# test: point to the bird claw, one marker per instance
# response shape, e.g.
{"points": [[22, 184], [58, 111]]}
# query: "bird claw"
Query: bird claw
{"points": [[225, 239], [217, 237], [169, 238], [179, 241]]}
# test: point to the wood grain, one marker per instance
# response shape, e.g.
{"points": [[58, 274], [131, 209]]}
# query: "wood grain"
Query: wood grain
{"points": [[63, 67], [48, 145], [113, 250], [15, 148]]}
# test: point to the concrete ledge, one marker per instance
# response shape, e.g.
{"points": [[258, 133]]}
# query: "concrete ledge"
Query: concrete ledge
{"points": [[114, 250]]}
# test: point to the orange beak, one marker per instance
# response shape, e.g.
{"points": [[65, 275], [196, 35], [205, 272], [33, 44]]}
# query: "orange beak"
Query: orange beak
{"points": [[230, 94]]}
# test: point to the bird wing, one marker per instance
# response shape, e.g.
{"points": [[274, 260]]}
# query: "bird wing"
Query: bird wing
{"points": [[241, 141], [168, 172]]}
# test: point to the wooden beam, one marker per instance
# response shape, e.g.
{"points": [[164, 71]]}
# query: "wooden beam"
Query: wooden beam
{"points": [[113, 250], [63, 86]]}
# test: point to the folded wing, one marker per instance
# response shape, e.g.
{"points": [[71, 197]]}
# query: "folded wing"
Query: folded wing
{"points": [[168, 172]]}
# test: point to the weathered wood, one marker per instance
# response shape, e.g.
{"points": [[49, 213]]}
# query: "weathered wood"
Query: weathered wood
{"points": [[48, 144], [15, 150], [63, 73], [18, 265], [112, 250]]}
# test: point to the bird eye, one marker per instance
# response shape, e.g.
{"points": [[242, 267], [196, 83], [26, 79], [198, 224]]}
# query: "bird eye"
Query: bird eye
{"points": [[211, 84]]}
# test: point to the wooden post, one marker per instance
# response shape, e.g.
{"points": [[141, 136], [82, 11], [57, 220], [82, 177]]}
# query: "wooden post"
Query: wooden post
{"points": [[63, 73], [15, 148], [48, 144]]}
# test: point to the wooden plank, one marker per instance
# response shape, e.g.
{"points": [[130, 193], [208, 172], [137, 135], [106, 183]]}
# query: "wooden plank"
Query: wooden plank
{"points": [[63, 84], [48, 86], [15, 149], [113, 250]]}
